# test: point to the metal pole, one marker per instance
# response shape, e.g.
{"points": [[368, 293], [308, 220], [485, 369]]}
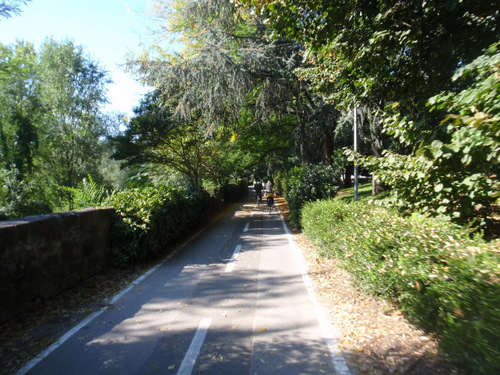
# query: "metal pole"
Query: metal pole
{"points": [[355, 150]]}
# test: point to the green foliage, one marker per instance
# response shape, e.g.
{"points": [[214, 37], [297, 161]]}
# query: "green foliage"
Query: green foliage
{"points": [[89, 194], [19, 198], [306, 184], [72, 90], [445, 281], [19, 108], [458, 169], [51, 127], [151, 219], [368, 52], [154, 136]]}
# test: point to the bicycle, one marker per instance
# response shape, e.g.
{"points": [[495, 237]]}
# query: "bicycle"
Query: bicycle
{"points": [[258, 198], [270, 204]]}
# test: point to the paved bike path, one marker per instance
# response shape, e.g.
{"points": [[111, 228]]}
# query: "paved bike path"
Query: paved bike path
{"points": [[231, 301]]}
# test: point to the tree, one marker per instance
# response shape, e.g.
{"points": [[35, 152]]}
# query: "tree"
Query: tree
{"points": [[19, 108], [51, 126], [230, 68], [9, 8], [368, 52], [155, 136], [388, 55], [72, 93]]}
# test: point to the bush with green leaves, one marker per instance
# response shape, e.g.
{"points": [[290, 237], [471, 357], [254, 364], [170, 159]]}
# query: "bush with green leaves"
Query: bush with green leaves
{"points": [[446, 281], [150, 219], [309, 183], [89, 194], [457, 167], [19, 198]]}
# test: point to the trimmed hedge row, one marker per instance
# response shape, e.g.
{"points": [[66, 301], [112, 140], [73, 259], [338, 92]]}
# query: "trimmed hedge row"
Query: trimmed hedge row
{"points": [[308, 183], [445, 281], [147, 219]]}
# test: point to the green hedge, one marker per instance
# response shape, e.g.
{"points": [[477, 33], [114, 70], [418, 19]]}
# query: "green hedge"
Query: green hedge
{"points": [[307, 183], [148, 219], [234, 192], [445, 281]]}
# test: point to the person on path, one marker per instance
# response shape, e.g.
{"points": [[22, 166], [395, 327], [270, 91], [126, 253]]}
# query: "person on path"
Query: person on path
{"points": [[270, 200], [258, 190]]}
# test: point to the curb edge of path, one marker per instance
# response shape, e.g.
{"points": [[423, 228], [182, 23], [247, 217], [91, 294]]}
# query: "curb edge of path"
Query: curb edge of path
{"points": [[331, 333]]}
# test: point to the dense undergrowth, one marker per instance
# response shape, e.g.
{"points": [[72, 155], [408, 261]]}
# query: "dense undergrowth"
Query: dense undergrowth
{"points": [[444, 279]]}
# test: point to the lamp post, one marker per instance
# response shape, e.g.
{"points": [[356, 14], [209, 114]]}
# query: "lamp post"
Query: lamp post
{"points": [[355, 150]]}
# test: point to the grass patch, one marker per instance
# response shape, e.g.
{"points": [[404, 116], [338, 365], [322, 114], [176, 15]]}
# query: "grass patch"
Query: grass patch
{"points": [[364, 194]]}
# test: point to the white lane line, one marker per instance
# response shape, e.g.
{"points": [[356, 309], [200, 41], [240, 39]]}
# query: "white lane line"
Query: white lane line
{"points": [[233, 259], [58, 343], [43, 354], [246, 228], [137, 281], [194, 349], [331, 333], [28, 366]]}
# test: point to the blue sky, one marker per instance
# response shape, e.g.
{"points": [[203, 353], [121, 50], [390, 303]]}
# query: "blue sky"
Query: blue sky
{"points": [[107, 29]]}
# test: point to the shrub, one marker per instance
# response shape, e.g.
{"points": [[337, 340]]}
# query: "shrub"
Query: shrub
{"points": [[307, 184], [21, 198], [147, 220], [89, 194], [445, 281], [234, 192]]}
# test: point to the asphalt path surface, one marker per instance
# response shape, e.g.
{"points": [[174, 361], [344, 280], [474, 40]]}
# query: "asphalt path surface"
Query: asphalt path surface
{"points": [[232, 300]]}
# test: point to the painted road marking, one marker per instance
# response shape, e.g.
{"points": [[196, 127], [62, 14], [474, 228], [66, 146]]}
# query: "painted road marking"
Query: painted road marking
{"points": [[246, 228], [230, 265], [194, 349], [41, 356], [28, 366], [331, 333]]}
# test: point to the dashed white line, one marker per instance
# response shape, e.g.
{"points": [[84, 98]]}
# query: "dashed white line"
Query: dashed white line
{"points": [[246, 228], [194, 349], [233, 259]]}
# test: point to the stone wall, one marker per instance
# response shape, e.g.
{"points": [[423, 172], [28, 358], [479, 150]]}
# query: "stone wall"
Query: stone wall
{"points": [[40, 256]]}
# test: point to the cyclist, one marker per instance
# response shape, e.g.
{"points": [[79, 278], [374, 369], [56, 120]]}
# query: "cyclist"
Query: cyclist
{"points": [[269, 185], [270, 200], [258, 191]]}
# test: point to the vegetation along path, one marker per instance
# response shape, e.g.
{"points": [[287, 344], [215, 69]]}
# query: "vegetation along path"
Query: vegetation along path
{"points": [[375, 338]]}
